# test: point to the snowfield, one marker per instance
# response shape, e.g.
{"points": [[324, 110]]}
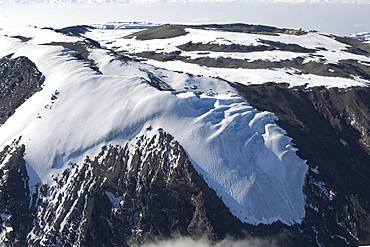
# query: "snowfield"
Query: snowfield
{"points": [[240, 152], [333, 53]]}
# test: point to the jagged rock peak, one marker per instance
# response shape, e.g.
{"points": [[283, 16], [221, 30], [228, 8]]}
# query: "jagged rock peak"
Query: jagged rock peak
{"points": [[15, 213], [123, 196], [20, 79]]}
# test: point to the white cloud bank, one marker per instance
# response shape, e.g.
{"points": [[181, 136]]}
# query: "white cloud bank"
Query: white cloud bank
{"points": [[228, 242], [342, 19]]}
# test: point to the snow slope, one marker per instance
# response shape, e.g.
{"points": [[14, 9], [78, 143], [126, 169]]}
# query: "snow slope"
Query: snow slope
{"points": [[241, 152]]}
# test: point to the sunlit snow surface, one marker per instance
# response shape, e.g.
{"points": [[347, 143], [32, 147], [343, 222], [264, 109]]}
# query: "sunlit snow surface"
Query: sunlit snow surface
{"points": [[332, 52], [240, 152]]}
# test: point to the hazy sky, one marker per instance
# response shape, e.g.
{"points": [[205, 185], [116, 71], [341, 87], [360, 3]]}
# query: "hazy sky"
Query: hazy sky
{"points": [[342, 19]]}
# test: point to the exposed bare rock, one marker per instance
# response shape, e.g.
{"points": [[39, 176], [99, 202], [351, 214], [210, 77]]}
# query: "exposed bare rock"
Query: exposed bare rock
{"points": [[19, 80], [15, 213], [129, 195], [170, 31]]}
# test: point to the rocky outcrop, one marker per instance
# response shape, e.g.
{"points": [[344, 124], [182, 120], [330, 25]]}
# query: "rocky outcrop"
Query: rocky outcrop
{"points": [[130, 195], [81, 50], [19, 80], [160, 32], [148, 189], [255, 29], [15, 208], [170, 31], [78, 30], [268, 45], [355, 46], [190, 46], [344, 68]]}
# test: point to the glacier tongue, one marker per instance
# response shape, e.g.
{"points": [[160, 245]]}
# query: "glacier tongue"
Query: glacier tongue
{"points": [[240, 152]]}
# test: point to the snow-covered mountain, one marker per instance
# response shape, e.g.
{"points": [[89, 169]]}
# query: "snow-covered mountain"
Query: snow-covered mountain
{"points": [[362, 36], [114, 134]]}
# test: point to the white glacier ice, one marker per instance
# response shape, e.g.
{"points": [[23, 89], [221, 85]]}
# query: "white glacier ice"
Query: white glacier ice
{"points": [[240, 152]]}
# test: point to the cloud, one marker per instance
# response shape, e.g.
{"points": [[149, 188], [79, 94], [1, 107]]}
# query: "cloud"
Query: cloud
{"points": [[228, 242]]}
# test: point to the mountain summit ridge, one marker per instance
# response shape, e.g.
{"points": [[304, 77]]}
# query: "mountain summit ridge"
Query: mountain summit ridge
{"points": [[86, 113], [110, 109]]}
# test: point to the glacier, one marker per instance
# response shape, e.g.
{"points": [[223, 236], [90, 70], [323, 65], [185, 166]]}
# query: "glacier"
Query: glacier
{"points": [[241, 152]]}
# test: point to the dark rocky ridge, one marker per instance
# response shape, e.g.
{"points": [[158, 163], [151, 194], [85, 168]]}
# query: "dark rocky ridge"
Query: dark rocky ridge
{"points": [[190, 46], [15, 209], [157, 193], [255, 29], [170, 31], [286, 47], [19, 80], [267, 46], [355, 46], [331, 130], [75, 30], [22, 38], [146, 190], [158, 83], [160, 32], [81, 49], [344, 68]]}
